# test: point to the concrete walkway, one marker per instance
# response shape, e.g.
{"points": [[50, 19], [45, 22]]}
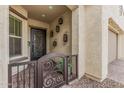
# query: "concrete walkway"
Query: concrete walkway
{"points": [[116, 71]]}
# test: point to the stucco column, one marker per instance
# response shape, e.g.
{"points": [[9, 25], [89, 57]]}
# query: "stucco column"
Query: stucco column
{"points": [[4, 45], [81, 41], [94, 42], [78, 38], [104, 42], [75, 31]]}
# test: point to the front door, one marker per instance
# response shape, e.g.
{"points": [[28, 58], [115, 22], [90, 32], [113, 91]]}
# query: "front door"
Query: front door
{"points": [[38, 43]]}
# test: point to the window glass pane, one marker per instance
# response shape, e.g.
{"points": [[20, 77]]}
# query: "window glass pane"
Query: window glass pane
{"points": [[17, 27], [14, 46], [20, 28], [11, 26], [17, 46], [11, 47]]}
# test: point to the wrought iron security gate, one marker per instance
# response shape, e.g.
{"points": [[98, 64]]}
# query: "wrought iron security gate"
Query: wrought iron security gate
{"points": [[52, 70]]}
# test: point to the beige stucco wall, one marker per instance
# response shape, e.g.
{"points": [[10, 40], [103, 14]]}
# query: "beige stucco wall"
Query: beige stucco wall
{"points": [[39, 24], [4, 43], [93, 41], [64, 28], [81, 41], [75, 30]]}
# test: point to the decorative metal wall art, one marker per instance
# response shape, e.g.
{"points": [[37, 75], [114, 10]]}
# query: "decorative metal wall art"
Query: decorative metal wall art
{"points": [[57, 28], [54, 43], [65, 37], [60, 21], [51, 33]]}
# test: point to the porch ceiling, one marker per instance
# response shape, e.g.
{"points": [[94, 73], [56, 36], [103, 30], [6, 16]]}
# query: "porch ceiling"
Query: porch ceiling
{"points": [[44, 12]]}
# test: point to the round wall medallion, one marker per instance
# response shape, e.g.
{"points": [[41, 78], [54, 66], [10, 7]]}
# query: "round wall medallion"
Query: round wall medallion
{"points": [[57, 28], [60, 21], [54, 43]]}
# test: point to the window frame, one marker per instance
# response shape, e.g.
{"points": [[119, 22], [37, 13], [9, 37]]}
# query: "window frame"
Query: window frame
{"points": [[14, 35]]}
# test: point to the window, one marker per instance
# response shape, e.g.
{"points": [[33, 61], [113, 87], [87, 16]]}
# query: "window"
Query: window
{"points": [[15, 36]]}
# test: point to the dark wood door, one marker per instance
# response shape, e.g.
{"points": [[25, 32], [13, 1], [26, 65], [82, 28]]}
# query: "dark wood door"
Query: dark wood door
{"points": [[38, 43]]}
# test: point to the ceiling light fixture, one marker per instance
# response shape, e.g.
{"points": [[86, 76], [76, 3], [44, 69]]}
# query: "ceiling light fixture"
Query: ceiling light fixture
{"points": [[50, 7], [43, 15]]}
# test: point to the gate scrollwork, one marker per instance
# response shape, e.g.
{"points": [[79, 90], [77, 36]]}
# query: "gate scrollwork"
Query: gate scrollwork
{"points": [[53, 75]]}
